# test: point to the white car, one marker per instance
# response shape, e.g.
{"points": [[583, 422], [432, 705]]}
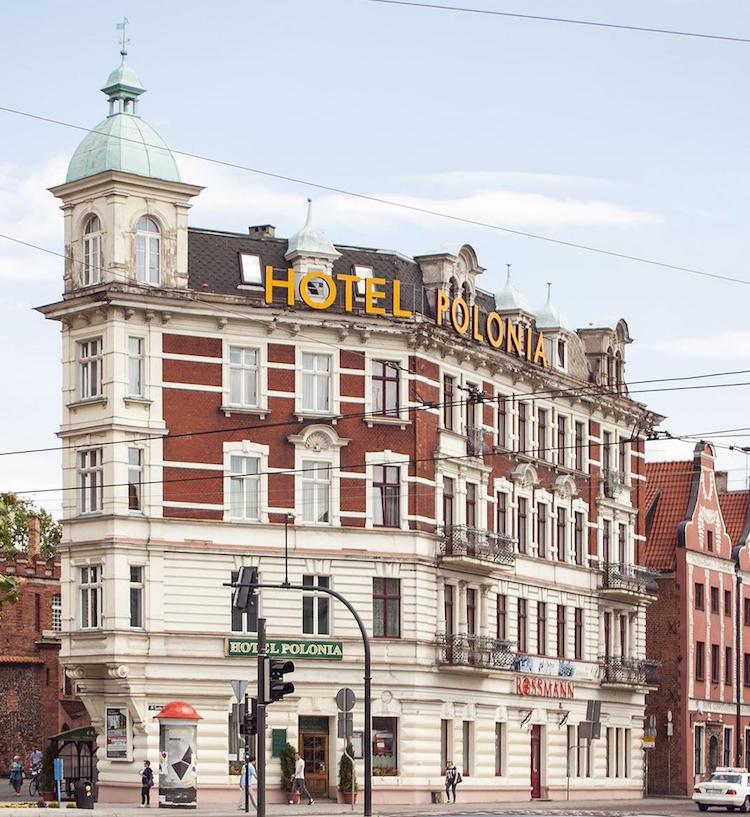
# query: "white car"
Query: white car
{"points": [[727, 787]]}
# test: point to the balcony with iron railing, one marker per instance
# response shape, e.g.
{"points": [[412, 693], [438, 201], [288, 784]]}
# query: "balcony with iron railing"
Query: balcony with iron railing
{"points": [[463, 542], [629, 671], [462, 650], [621, 580], [475, 441]]}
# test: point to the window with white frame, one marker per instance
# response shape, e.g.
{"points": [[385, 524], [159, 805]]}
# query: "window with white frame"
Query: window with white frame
{"points": [[316, 608], [90, 589], [363, 273], [135, 479], [250, 268], [147, 251], [316, 492], [244, 487], [136, 595], [56, 613], [92, 252], [385, 388], [90, 478], [89, 368], [316, 382], [243, 376], [386, 496], [135, 367]]}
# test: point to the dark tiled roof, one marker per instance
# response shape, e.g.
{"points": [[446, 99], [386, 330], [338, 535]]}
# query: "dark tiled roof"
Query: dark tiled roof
{"points": [[734, 510], [667, 497]]}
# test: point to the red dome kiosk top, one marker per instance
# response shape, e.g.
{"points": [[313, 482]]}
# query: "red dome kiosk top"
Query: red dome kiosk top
{"points": [[179, 710]]}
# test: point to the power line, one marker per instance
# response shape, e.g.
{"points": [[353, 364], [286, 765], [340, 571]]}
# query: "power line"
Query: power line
{"points": [[568, 20], [401, 205]]}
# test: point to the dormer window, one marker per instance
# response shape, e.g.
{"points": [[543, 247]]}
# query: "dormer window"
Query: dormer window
{"points": [[317, 288], [561, 353], [92, 252], [250, 269], [147, 251], [363, 273]]}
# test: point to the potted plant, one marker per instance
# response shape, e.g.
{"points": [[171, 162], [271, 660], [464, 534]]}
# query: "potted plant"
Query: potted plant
{"points": [[287, 768], [347, 776], [47, 774]]}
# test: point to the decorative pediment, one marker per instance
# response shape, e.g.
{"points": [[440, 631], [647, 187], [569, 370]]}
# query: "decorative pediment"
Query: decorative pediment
{"points": [[565, 486], [318, 438], [525, 475]]}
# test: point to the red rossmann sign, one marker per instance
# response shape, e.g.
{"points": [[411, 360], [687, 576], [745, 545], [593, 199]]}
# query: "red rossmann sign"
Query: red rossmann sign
{"points": [[543, 687]]}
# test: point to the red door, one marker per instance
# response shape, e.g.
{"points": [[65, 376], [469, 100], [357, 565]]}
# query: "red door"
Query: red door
{"points": [[536, 762]]}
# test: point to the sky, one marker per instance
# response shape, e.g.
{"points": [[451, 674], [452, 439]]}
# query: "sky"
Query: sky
{"points": [[626, 141]]}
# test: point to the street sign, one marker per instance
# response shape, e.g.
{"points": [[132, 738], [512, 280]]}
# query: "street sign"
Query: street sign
{"points": [[649, 742], [345, 725], [670, 729], [345, 699], [239, 687]]}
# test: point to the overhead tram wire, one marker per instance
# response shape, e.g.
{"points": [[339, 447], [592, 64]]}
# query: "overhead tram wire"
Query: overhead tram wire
{"points": [[567, 20], [391, 203]]}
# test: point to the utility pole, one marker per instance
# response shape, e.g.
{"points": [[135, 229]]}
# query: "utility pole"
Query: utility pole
{"points": [[246, 767], [261, 758]]}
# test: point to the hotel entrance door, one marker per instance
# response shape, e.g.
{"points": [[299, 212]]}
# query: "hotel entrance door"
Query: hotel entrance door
{"points": [[313, 746]]}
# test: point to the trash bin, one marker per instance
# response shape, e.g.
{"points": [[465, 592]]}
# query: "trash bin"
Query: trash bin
{"points": [[84, 794], [436, 796]]}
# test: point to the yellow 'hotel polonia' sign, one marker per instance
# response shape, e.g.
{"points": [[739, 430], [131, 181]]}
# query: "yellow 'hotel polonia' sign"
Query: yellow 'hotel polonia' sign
{"points": [[500, 333]]}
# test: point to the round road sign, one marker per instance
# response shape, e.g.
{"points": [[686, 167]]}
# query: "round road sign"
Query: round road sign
{"points": [[345, 699]]}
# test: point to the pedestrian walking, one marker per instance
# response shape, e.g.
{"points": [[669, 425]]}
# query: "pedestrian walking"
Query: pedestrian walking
{"points": [[16, 774], [298, 779], [247, 777], [147, 781], [35, 759], [452, 779]]}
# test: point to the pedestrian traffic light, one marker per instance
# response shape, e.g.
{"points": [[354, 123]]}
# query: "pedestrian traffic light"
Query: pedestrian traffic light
{"points": [[277, 686], [249, 722], [243, 597]]}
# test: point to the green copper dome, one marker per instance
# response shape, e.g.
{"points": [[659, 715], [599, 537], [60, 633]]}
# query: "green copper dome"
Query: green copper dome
{"points": [[123, 141]]}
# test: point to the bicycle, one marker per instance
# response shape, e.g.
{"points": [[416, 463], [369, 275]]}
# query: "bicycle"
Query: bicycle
{"points": [[34, 784]]}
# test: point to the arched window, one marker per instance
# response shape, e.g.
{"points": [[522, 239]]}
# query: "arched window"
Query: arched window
{"points": [[92, 252], [453, 288], [147, 251], [618, 371], [610, 376], [466, 293]]}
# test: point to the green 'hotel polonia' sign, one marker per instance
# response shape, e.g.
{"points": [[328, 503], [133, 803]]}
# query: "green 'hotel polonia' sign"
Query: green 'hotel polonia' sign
{"points": [[278, 648]]}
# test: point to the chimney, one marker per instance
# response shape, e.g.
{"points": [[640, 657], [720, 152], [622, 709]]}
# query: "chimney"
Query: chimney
{"points": [[262, 231], [32, 548], [721, 481]]}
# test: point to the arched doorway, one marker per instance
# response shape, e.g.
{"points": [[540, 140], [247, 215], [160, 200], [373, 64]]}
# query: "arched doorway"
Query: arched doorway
{"points": [[713, 753]]}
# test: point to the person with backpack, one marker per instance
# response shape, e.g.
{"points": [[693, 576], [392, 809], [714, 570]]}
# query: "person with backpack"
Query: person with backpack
{"points": [[147, 781], [452, 779]]}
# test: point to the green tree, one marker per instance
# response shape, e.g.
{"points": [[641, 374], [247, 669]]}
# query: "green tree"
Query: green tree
{"points": [[287, 766], [14, 526], [347, 774], [9, 590]]}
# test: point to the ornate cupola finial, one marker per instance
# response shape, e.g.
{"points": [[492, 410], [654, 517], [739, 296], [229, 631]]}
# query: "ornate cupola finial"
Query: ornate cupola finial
{"points": [[123, 41], [311, 242], [123, 86]]}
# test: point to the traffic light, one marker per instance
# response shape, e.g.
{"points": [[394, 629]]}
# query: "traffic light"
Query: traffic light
{"points": [[277, 686], [249, 722], [243, 597]]}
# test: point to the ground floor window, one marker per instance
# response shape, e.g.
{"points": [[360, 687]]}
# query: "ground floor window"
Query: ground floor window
{"points": [[384, 746], [727, 746], [618, 752], [445, 744], [698, 749], [467, 747], [499, 753], [747, 748]]}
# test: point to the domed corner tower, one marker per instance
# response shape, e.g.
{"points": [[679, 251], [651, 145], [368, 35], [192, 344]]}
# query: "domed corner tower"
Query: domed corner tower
{"points": [[124, 202]]}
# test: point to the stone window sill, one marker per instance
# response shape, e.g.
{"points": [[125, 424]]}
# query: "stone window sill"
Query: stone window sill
{"points": [[258, 411], [302, 416], [89, 401], [138, 401], [385, 420]]}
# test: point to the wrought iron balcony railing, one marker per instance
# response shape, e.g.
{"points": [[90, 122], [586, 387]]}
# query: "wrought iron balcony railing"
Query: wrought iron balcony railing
{"points": [[474, 441], [618, 670], [628, 577], [474, 651], [460, 540]]}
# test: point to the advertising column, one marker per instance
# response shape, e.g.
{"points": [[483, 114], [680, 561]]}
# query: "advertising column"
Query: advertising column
{"points": [[178, 771]]}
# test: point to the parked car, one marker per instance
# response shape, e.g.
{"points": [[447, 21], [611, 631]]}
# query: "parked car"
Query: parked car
{"points": [[727, 787]]}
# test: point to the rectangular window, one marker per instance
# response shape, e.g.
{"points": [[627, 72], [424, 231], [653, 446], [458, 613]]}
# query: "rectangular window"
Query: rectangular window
{"points": [[746, 606], [561, 635], [501, 627], [746, 669], [445, 743], [715, 600], [622, 543], [386, 603], [714, 663], [244, 488], [709, 540], [700, 602], [135, 367], [571, 755], [579, 452], [471, 505], [522, 524], [467, 748], [700, 661], [578, 634], [449, 392], [90, 584], [250, 269], [522, 627], [90, 368], [499, 754], [542, 433], [605, 539], [728, 603], [316, 383], [502, 513], [471, 611], [698, 756], [386, 500], [135, 479], [449, 492], [608, 752], [626, 752], [384, 746], [541, 628], [579, 527], [522, 435], [90, 478], [728, 674], [449, 608], [541, 530], [607, 451], [316, 492], [57, 613], [385, 388], [727, 746], [245, 621], [622, 462], [315, 607], [562, 534], [136, 596], [502, 421], [562, 433], [243, 376]]}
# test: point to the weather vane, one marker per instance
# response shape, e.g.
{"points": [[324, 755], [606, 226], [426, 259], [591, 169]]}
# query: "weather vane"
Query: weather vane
{"points": [[123, 42]]}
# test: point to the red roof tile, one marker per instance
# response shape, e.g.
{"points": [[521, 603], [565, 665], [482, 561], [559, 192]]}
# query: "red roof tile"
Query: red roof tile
{"points": [[734, 510], [668, 486]]}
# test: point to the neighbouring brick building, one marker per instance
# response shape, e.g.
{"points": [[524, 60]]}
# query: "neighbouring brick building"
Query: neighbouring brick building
{"points": [[696, 532]]}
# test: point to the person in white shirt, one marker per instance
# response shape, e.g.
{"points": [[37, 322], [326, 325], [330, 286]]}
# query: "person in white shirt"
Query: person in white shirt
{"points": [[298, 779], [247, 778]]}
